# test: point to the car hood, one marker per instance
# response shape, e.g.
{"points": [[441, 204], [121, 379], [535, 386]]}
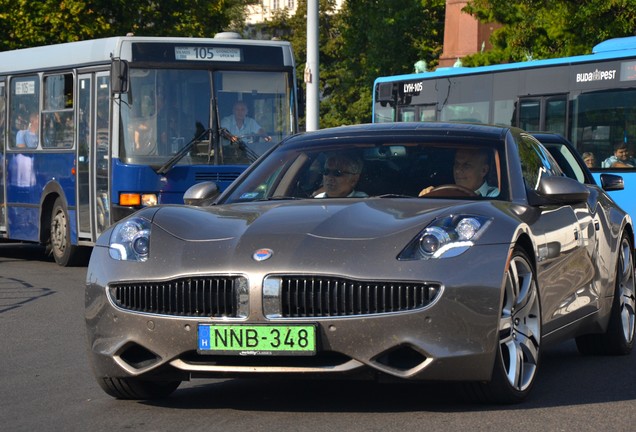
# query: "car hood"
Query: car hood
{"points": [[328, 219], [360, 238]]}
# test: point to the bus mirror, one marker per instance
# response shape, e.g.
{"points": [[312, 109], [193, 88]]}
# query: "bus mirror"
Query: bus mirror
{"points": [[301, 101], [385, 92], [119, 76]]}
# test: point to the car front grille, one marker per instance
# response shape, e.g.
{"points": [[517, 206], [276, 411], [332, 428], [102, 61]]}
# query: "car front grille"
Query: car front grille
{"points": [[331, 296], [192, 296], [283, 296]]}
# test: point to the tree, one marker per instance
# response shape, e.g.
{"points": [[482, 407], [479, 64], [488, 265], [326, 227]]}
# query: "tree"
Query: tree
{"points": [[26, 23], [541, 29], [362, 41], [378, 38], [293, 28]]}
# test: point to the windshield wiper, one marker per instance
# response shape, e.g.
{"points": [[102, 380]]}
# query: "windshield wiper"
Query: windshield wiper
{"points": [[181, 153], [251, 155], [393, 195], [280, 198]]}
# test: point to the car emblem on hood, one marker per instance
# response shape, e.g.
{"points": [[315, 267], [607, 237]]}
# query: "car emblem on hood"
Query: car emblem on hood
{"points": [[262, 254]]}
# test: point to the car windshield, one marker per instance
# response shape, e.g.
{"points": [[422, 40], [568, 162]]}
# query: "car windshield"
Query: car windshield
{"points": [[354, 169]]}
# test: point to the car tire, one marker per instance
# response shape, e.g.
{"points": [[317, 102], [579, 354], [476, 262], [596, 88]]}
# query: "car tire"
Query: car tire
{"points": [[131, 388], [618, 339], [519, 337]]}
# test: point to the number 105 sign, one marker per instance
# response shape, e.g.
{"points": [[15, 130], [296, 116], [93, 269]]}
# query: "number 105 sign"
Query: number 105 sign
{"points": [[202, 53]]}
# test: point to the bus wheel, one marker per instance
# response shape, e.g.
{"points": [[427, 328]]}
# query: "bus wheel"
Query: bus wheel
{"points": [[61, 247]]}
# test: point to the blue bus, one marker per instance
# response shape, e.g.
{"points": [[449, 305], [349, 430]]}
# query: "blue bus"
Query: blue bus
{"points": [[588, 99], [91, 131]]}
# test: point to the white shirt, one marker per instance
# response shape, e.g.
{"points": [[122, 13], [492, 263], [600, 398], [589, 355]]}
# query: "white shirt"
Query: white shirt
{"points": [[250, 126], [353, 194], [486, 190]]}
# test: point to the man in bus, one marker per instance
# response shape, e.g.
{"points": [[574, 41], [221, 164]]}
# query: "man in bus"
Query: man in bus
{"points": [[470, 169], [28, 138], [240, 125], [620, 158]]}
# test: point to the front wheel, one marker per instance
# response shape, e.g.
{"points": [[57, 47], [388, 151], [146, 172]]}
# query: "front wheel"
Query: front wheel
{"points": [[519, 346], [131, 388]]}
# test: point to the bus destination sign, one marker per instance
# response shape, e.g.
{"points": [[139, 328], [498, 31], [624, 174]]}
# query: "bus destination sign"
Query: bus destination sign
{"points": [[202, 53]]}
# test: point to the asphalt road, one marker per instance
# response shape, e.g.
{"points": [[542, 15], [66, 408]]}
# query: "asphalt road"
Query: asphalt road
{"points": [[46, 383]]}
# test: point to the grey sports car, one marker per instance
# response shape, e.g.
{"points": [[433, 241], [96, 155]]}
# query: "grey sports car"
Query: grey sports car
{"points": [[399, 251]]}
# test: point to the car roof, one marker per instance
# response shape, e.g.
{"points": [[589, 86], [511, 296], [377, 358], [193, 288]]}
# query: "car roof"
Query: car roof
{"points": [[549, 137], [409, 128]]}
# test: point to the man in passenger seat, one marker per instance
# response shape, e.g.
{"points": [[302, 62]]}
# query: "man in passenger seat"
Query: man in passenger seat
{"points": [[340, 176]]}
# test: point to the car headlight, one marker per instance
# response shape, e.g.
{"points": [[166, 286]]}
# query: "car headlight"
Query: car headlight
{"points": [[447, 237], [130, 240]]}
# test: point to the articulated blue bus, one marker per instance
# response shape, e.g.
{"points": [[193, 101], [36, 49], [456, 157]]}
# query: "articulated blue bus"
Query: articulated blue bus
{"points": [[92, 131], [589, 99]]}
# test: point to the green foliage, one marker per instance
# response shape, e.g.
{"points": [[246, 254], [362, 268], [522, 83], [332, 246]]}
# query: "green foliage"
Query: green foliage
{"points": [[362, 41], [26, 23], [541, 29], [378, 38]]}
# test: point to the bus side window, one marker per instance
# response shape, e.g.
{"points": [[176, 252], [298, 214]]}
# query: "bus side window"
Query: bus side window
{"points": [[24, 103], [58, 124]]}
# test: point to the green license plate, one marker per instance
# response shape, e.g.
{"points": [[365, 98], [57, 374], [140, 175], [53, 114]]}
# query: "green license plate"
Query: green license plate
{"points": [[239, 339]]}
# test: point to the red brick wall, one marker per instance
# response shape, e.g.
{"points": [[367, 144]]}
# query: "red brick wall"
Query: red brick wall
{"points": [[463, 34]]}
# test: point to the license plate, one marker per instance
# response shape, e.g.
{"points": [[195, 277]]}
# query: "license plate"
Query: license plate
{"points": [[238, 339]]}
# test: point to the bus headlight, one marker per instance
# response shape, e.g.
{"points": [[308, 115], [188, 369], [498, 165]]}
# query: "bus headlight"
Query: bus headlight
{"points": [[148, 200], [136, 200], [130, 240]]}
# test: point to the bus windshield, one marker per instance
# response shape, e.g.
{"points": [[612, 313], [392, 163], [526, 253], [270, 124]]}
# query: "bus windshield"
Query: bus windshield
{"points": [[166, 109]]}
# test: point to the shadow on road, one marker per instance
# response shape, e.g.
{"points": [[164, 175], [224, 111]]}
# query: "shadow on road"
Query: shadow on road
{"points": [[24, 251], [566, 379]]}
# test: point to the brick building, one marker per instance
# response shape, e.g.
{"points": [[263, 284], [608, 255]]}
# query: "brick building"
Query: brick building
{"points": [[463, 34]]}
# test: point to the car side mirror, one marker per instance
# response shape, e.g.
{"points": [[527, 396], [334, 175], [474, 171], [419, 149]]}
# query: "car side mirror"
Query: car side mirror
{"points": [[612, 182], [562, 189], [201, 194]]}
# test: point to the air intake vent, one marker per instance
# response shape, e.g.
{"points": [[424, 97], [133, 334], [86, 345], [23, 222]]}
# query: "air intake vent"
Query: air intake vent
{"points": [[216, 177]]}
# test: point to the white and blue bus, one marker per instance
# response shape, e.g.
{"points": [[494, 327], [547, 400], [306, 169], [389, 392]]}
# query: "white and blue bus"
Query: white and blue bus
{"points": [[588, 99], [91, 131]]}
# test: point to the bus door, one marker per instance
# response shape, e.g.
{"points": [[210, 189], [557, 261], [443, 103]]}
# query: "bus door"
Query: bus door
{"points": [[92, 155], [3, 131], [543, 114], [84, 156], [101, 150]]}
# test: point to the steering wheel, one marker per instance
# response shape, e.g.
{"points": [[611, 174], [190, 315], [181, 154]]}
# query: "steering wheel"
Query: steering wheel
{"points": [[450, 190]]}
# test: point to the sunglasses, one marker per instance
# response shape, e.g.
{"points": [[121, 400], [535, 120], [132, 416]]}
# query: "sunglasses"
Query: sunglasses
{"points": [[335, 172]]}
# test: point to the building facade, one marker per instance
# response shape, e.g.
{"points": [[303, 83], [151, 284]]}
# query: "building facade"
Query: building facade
{"points": [[463, 34], [265, 9]]}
